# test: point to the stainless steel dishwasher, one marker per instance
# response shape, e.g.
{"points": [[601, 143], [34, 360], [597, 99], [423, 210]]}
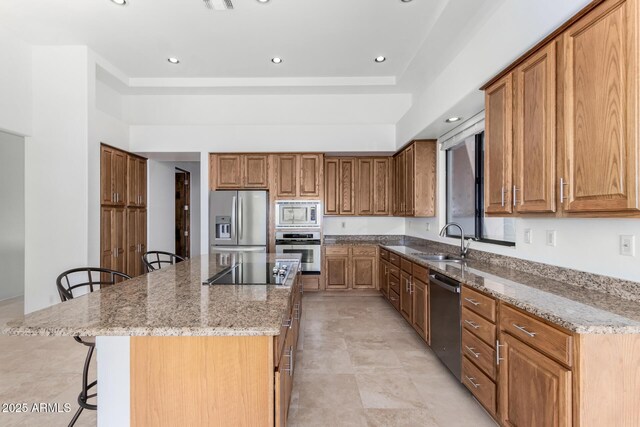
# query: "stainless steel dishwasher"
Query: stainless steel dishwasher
{"points": [[445, 321]]}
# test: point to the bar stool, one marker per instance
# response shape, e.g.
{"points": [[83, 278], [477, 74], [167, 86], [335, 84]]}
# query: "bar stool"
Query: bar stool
{"points": [[166, 258], [87, 279]]}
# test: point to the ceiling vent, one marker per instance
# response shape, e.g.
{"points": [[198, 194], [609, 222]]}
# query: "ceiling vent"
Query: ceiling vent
{"points": [[219, 4]]}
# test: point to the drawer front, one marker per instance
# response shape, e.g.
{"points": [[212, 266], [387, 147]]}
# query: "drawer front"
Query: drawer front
{"points": [[480, 385], [364, 250], [479, 353], [394, 271], [483, 305], [549, 340], [394, 284], [406, 265], [394, 299], [421, 273], [336, 250], [394, 259], [479, 326], [384, 254]]}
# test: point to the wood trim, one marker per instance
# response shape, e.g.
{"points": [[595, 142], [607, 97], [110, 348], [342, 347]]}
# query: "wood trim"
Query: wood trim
{"points": [[213, 381]]}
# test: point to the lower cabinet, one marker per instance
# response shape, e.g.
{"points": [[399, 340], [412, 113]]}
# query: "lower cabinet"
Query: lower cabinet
{"points": [[136, 240], [113, 238], [350, 267], [383, 277], [406, 299], [534, 389], [420, 310]]}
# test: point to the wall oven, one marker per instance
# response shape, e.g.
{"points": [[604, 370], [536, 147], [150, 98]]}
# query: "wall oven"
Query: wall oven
{"points": [[298, 214], [306, 243]]}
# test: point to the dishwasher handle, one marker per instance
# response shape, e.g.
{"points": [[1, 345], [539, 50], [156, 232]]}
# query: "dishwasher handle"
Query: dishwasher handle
{"points": [[451, 288]]}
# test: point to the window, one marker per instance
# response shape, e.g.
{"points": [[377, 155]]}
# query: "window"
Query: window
{"points": [[465, 201]]}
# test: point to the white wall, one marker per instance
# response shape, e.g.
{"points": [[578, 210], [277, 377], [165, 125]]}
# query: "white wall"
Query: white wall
{"points": [[161, 215], [11, 215], [56, 183], [363, 225], [15, 85], [194, 203]]}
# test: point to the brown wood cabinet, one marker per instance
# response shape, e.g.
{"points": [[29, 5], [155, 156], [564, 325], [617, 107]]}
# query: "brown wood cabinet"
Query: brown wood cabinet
{"points": [[136, 240], [415, 180], [298, 175], [286, 175], [534, 390], [420, 309], [234, 171], [113, 176], [113, 238], [350, 267], [228, 171], [255, 171], [406, 299], [310, 175], [136, 181]]}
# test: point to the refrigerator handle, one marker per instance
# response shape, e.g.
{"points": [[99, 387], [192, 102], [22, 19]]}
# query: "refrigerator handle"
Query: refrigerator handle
{"points": [[233, 218], [240, 223]]}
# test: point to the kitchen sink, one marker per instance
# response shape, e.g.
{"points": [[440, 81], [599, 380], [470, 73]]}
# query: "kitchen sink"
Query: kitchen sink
{"points": [[438, 257]]}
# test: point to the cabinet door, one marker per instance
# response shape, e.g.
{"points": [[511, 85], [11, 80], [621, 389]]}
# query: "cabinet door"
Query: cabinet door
{"points": [[286, 176], [142, 182], [107, 191], [406, 301], [331, 186], [119, 239], [601, 109], [133, 172], [119, 175], [498, 146], [337, 272], [363, 270], [535, 133], [106, 243], [534, 390], [255, 171], [383, 272], [409, 181], [400, 184], [364, 193], [228, 170], [381, 186], [133, 248], [347, 193], [310, 175], [420, 293]]}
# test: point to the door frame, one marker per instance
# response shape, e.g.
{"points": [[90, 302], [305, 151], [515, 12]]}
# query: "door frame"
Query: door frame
{"points": [[186, 226]]}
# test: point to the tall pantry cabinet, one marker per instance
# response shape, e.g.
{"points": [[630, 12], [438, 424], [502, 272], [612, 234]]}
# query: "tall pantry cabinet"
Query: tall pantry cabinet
{"points": [[123, 210]]}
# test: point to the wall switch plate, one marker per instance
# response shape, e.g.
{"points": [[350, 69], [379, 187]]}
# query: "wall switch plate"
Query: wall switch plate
{"points": [[628, 245], [551, 237], [428, 226], [527, 235]]}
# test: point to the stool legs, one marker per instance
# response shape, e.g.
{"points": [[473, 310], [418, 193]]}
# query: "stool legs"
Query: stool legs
{"points": [[84, 395]]}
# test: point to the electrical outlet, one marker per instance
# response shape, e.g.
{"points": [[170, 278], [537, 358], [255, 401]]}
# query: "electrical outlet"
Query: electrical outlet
{"points": [[428, 226], [628, 245], [527, 235], [344, 224], [551, 237]]}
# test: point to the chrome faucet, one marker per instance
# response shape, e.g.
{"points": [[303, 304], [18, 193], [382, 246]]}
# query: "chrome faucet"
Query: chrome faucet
{"points": [[464, 249]]}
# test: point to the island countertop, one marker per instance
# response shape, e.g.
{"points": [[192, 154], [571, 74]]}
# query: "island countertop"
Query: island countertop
{"points": [[171, 302]]}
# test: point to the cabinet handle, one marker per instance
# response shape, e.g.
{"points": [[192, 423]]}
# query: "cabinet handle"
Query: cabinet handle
{"points": [[470, 379], [522, 329], [515, 190], [288, 323], [472, 301], [470, 350], [392, 298], [498, 358], [502, 195], [113, 197], [296, 310], [562, 185], [289, 369], [474, 325]]}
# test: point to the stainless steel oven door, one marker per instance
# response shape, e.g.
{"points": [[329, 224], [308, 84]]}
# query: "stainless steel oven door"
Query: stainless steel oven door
{"points": [[311, 255]]}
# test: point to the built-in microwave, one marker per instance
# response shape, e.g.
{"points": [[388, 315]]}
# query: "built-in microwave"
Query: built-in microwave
{"points": [[298, 213]]}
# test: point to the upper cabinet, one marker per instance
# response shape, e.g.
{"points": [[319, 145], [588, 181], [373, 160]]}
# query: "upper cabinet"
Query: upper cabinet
{"points": [[136, 181], [601, 110], [415, 180], [298, 175], [239, 171], [113, 176], [561, 134], [339, 176]]}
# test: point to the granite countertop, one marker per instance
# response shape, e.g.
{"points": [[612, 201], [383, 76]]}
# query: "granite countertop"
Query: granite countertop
{"points": [[575, 308], [170, 302]]}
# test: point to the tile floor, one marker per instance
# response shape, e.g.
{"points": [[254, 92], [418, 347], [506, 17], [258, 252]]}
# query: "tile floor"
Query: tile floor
{"points": [[360, 364], [39, 370]]}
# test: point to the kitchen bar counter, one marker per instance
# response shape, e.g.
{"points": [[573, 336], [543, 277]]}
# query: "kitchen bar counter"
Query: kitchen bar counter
{"points": [[170, 302], [575, 308]]}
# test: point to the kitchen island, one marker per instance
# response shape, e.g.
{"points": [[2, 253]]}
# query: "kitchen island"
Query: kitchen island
{"points": [[172, 351]]}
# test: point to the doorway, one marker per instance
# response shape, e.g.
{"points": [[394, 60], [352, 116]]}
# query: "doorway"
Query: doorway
{"points": [[183, 213]]}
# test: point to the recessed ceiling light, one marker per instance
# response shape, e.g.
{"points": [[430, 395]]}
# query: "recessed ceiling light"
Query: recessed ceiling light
{"points": [[119, 2], [405, 1], [173, 60], [380, 59], [453, 119], [276, 60], [263, 1]]}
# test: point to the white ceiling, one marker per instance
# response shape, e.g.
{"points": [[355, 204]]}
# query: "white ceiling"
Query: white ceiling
{"points": [[326, 42]]}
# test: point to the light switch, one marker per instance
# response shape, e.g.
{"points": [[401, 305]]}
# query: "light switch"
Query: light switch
{"points": [[551, 237], [628, 245], [527, 235]]}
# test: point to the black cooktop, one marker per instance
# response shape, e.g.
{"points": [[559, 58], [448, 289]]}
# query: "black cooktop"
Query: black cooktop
{"points": [[253, 273]]}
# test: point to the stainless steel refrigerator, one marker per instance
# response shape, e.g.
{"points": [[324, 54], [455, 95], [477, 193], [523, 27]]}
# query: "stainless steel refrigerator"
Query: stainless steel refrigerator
{"points": [[238, 220]]}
